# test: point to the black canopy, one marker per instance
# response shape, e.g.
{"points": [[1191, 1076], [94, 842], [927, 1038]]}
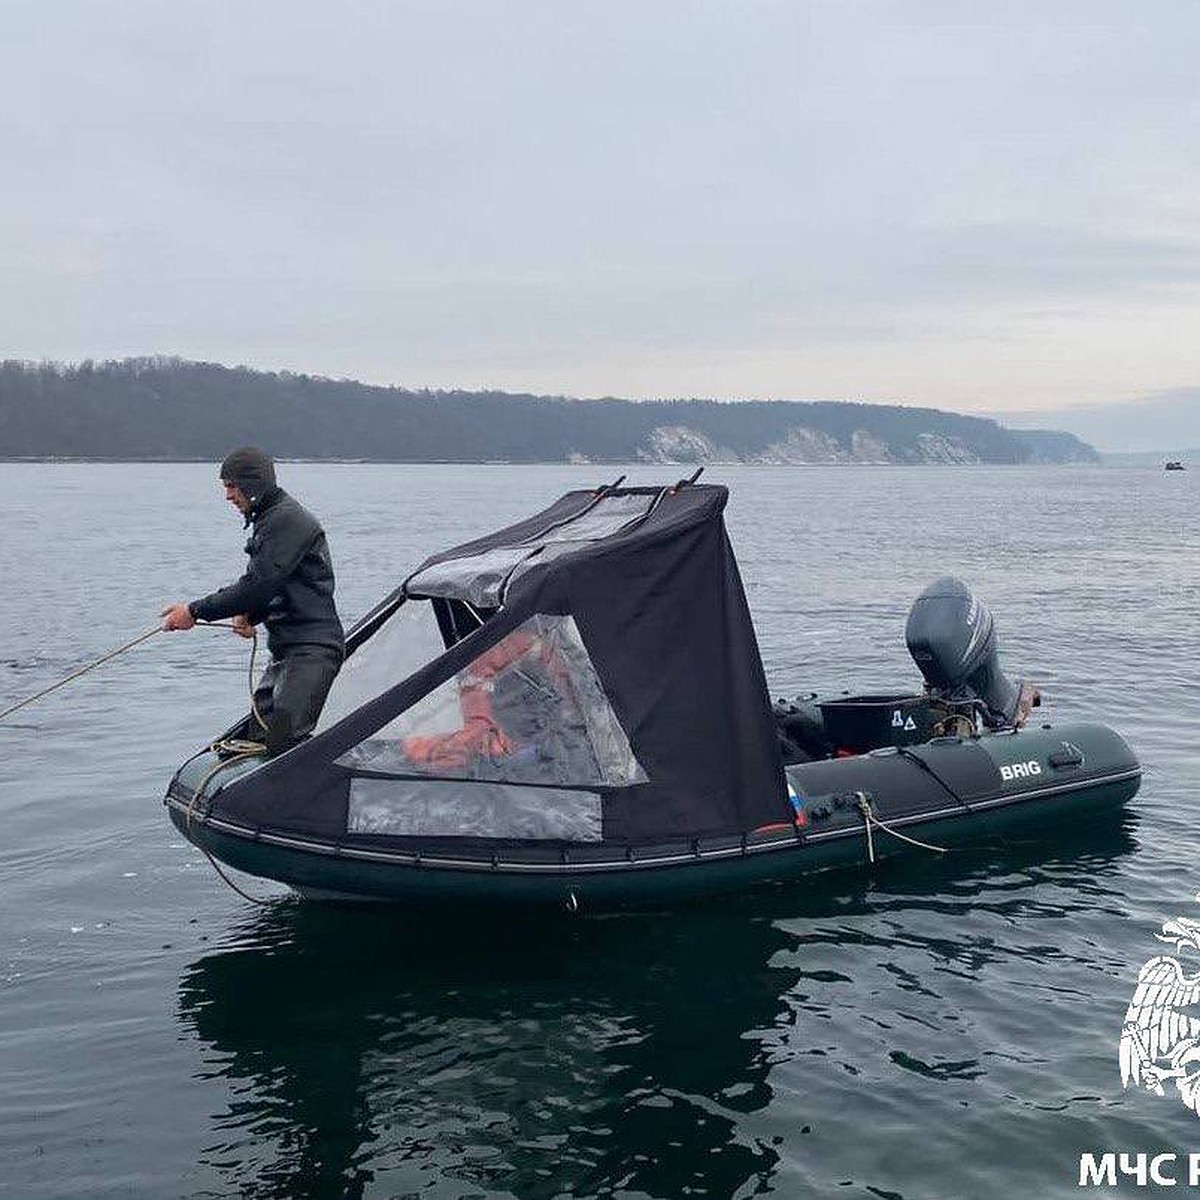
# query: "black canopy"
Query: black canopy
{"points": [[668, 732]]}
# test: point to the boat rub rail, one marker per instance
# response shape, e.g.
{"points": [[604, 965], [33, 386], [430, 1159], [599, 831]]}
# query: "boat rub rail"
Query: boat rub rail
{"points": [[584, 858]]}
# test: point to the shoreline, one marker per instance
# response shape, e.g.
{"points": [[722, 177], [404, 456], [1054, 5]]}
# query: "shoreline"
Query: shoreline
{"points": [[66, 459]]}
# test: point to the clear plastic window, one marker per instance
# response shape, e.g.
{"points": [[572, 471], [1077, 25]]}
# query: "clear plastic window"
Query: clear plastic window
{"points": [[610, 515], [403, 644], [441, 808], [529, 710], [480, 578]]}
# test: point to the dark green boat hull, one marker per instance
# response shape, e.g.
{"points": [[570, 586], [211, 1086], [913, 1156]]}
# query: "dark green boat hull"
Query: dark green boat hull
{"points": [[1044, 804]]}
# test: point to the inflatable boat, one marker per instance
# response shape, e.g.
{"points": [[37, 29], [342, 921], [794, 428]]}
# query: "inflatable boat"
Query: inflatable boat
{"points": [[572, 711]]}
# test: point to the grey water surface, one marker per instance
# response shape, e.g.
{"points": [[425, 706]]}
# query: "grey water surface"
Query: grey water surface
{"points": [[943, 1028]]}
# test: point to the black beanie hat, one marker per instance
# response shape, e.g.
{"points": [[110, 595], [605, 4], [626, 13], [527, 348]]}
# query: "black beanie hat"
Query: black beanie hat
{"points": [[251, 470]]}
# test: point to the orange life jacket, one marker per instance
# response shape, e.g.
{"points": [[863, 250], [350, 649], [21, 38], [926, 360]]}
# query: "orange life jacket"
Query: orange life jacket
{"points": [[480, 735]]}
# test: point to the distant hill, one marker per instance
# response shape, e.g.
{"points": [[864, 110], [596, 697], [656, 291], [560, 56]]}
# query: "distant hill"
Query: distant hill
{"points": [[175, 410], [1054, 446]]}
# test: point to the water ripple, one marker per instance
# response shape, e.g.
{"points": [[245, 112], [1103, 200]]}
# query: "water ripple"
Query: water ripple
{"points": [[941, 1028]]}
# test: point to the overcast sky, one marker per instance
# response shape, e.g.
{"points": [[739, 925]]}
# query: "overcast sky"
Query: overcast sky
{"points": [[979, 207]]}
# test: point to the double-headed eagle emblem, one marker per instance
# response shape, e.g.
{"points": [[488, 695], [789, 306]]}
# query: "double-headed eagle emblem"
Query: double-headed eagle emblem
{"points": [[1160, 1039]]}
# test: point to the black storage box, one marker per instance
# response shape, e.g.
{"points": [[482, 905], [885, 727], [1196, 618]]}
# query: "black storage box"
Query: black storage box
{"points": [[862, 723]]}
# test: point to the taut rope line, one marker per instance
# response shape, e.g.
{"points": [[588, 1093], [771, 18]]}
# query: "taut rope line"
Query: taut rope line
{"points": [[235, 749], [137, 641]]}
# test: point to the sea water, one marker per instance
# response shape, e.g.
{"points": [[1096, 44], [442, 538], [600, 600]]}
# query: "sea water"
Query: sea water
{"points": [[943, 1027]]}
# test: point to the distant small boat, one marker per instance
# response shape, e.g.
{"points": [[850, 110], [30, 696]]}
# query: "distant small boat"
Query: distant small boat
{"points": [[1175, 465]]}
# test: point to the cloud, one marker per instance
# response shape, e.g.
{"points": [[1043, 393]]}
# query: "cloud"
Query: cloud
{"points": [[882, 200]]}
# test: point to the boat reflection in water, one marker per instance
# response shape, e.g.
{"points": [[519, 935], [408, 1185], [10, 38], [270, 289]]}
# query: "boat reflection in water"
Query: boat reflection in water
{"points": [[654, 1054]]}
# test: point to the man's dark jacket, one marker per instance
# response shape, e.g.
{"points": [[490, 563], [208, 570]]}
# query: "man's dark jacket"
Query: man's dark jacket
{"points": [[288, 583]]}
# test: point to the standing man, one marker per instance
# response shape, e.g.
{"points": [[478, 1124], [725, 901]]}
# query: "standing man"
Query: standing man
{"points": [[288, 587]]}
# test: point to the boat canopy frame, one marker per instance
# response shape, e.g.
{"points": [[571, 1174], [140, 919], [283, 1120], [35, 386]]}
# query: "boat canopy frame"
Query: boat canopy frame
{"points": [[641, 588]]}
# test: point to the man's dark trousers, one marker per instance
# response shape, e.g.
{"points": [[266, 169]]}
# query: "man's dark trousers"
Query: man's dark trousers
{"points": [[291, 693]]}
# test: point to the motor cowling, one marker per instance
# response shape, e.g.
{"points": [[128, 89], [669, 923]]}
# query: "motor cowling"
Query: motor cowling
{"points": [[952, 638]]}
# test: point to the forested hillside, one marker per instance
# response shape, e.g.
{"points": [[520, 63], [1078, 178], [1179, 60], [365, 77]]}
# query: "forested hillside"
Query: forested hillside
{"points": [[172, 409]]}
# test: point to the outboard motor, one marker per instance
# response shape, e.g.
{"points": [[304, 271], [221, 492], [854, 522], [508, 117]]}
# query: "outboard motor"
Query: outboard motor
{"points": [[952, 639]]}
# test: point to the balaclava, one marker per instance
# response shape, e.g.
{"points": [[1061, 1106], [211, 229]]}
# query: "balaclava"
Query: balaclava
{"points": [[251, 470]]}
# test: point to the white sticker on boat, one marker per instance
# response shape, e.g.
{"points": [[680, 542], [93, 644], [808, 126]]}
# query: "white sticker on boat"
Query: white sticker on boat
{"points": [[1020, 770], [1160, 1037]]}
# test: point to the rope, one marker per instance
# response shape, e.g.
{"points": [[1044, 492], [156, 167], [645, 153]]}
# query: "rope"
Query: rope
{"points": [[137, 641], [253, 702], [235, 749], [244, 895], [871, 819], [242, 750]]}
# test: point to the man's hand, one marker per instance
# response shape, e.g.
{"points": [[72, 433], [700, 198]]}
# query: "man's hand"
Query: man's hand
{"points": [[243, 626], [177, 616]]}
